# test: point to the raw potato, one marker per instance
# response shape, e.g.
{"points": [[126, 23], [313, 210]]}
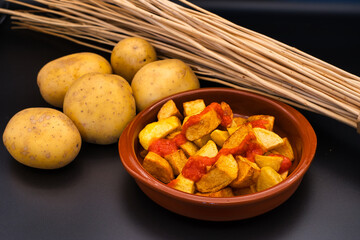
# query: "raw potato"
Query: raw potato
{"points": [[131, 54], [55, 78], [42, 138], [160, 79], [100, 105]]}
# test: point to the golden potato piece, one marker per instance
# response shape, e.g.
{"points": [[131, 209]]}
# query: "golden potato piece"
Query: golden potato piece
{"points": [[157, 130], [224, 171], [202, 141], [244, 191], [268, 178], [158, 167], [177, 161], [188, 147], [285, 149], [208, 150], [208, 122], [284, 174], [247, 175], [237, 137], [225, 192], [169, 109], [219, 136], [268, 139], [193, 107], [262, 120], [268, 161], [183, 184], [238, 121]]}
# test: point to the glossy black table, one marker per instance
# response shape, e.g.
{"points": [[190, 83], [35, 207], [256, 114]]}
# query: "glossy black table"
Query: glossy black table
{"points": [[94, 197]]}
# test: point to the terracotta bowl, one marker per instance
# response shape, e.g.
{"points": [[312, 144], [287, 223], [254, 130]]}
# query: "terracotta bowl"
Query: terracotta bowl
{"points": [[288, 122]]}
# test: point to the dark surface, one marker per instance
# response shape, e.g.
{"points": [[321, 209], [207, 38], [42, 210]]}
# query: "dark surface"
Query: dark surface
{"points": [[94, 198]]}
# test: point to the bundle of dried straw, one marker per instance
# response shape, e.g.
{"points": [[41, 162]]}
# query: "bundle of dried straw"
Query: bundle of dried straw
{"points": [[218, 50]]}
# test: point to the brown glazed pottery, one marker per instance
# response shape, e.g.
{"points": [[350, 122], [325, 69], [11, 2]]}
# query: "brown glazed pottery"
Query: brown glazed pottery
{"points": [[288, 122]]}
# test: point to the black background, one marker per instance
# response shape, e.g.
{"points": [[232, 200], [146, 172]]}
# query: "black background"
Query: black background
{"points": [[94, 197]]}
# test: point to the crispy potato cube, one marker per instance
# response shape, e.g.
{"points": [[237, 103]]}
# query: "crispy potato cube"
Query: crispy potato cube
{"points": [[193, 107], [285, 149], [158, 167], [247, 175], [266, 120], [219, 136], [237, 137], [157, 130], [284, 174], [223, 172], [177, 161], [208, 122], [225, 192], [183, 184], [268, 178], [244, 191], [231, 130], [189, 148], [208, 150], [269, 161], [238, 121], [202, 141], [268, 139], [169, 109]]}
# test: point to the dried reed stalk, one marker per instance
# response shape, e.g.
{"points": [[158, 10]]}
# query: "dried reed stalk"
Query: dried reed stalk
{"points": [[218, 50]]}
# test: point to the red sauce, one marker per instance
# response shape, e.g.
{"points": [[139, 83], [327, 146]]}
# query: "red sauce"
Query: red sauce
{"points": [[260, 123], [173, 183], [285, 163], [225, 116], [163, 146], [195, 167], [180, 139]]}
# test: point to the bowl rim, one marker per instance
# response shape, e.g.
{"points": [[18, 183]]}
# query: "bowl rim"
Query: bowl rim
{"points": [[135, 169]]}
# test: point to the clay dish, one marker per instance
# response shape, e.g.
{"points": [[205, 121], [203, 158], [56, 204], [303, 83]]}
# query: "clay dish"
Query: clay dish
{"points": [[288, 122]]}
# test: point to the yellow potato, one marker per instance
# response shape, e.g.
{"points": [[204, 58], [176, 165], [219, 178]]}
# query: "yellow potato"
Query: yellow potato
{"points": [[42, 138], [55, 78], [160, 79], [100, 105], [131, 54]]}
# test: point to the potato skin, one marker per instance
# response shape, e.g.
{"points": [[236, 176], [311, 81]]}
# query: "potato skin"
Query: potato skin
{"points": [[55, 78], [42, 138], [131, 54], [160, 79], [100, 105]]}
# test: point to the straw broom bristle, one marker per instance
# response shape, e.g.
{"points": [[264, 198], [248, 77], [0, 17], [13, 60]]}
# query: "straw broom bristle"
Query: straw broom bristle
{"points": [[218, 50]]}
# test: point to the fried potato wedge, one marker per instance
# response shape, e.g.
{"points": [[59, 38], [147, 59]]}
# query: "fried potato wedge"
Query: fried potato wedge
{"points": [[268, 139], [266, 120], [268, 178], [208, 150], [202, 141], [237, 137], [188, 147], [219, 136], [193, 107], [208, 122], [158, 129], [247, 175], [225, 192], [285, 149], [177, 161], [244, 191], [269, 161], [183, 184], [169, 109], [223, 172], [158, 167]]}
